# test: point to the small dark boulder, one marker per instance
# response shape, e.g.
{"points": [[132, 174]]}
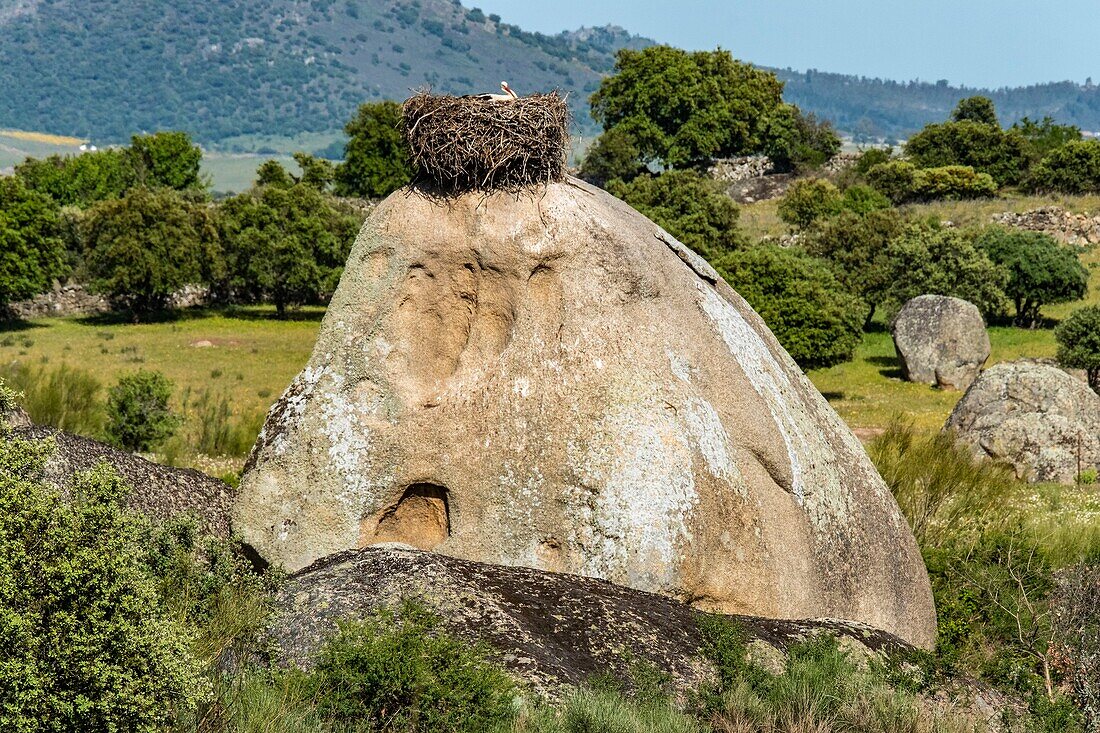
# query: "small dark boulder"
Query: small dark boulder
{"points": [[940, 341], [159, 492], [549, 629]]}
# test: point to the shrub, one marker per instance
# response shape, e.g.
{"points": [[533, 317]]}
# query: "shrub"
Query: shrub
{"points": [[815, 318], [614, 155], [929, 259], [1078, 340], [1040, 270], [375, 161], [79, 180], [1075, 615], [693, 208], [895, 179], [808, 200], [286, 245], [857, 248], [796, 140], [32, 251], [1045, 136], [87, 643], [220, 432], [1072, 168], [400, 671], [869, 158], [862, 199], [147, 245], [138, 415], [601, 709], [1004, 155], [952, 182], [65, 397]]}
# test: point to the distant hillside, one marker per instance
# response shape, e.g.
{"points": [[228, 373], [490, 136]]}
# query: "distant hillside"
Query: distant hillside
{"points": [[882, 108], [103, 69]]}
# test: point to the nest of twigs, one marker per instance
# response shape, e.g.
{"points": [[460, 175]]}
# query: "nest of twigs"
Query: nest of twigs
{"points": [[463, 143]]}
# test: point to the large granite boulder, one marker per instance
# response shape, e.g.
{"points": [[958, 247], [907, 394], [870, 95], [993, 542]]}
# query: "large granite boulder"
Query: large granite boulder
{"points": [[549, 629], [1033, 416], [941, 341], [551, 380], [159, 492]]}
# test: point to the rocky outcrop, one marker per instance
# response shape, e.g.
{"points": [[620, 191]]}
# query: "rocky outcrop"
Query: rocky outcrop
{"points": [[940, 340], [1076, 229], [735, 170], [548, 629], [1034, 416], [160, 492], [550, 380]]}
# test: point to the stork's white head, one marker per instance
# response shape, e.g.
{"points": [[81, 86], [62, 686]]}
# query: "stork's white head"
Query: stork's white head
{"points": [[508, 90]]}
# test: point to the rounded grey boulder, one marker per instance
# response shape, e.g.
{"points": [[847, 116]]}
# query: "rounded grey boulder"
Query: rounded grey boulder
{"points": [[941, 341], [1034, 416]]}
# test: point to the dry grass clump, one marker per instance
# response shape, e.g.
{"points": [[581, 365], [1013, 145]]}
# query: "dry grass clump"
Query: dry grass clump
{"points": [[464, 143]]}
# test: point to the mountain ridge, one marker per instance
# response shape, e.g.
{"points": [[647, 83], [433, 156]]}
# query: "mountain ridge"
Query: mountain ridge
{"points": [[104, 69]]}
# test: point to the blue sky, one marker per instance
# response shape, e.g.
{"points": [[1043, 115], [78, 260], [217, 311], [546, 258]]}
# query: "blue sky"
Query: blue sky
{"points": [[973, 42]]}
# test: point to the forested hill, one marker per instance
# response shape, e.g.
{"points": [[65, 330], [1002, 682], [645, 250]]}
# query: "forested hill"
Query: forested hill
{"points": [[104, 69], [872, 108]]}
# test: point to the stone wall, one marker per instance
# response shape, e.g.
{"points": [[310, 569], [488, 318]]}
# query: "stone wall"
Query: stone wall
{"points": [[74, 299], [1077, 229], [735, 170]]}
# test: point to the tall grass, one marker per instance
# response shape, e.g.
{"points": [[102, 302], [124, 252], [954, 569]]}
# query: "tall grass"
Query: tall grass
{"points": [[220, 430], [64, 397], [941, 488]]}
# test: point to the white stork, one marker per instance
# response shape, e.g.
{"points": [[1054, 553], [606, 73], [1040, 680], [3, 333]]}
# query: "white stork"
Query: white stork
{"points": [[508, 96]]}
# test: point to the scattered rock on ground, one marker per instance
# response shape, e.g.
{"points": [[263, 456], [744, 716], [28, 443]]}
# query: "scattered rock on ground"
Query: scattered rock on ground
{"points": [[941, 341], [548, 629], [553, 381], [1033, 416], [160, 492]]}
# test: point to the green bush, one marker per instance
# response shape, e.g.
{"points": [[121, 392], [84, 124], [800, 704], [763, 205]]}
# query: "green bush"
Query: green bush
{"points": [[596, 709], [798, 141], [88, 645], [808, 200], [147, 245], [858, 249], [952, 182], [1004, 155], [1040, 270], [401, 672], [692, 207], [65, 397], [375, 160], [32, 251], [1072, 168], [79, 180], [166, 160], [1078, 340], [861, 199], [929, 259], [614, 155], [869, 158], [814, 317], [138, 415], [1045, 136], [894, 179]]}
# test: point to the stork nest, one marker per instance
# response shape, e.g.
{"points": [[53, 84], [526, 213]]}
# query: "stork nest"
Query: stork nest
{"points": [[463, 143]]}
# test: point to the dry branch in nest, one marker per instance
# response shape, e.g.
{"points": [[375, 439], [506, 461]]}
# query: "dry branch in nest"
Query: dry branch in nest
{"points": [[463, 143]]}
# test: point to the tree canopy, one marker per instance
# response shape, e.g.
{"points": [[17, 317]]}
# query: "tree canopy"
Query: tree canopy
{"points": [[684, 108], [32, 252], [1040, 270], [976, 109], [1079, 343], [142, 248], [286, 244], [375, 161]]}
